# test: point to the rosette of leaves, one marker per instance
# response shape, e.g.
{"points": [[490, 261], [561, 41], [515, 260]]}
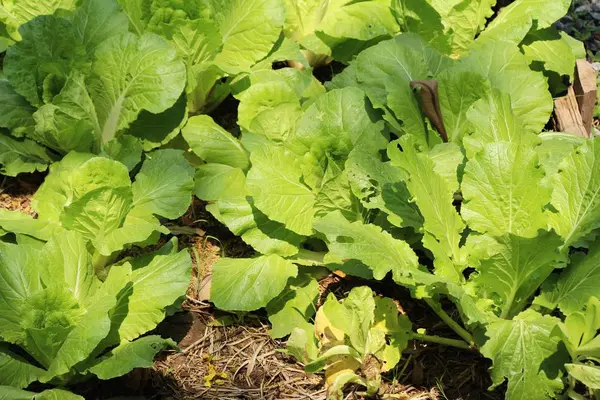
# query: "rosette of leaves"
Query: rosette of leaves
{"points": [[72, 306], [354, 340], [337, 30], [119, 78]]}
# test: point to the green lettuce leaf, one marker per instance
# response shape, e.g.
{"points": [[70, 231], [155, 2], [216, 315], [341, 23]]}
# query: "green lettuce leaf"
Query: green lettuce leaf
{"points": [[246, 284], [521, 351], [22, 155]]}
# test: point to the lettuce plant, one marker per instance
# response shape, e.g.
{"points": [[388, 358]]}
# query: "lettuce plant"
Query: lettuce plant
{"points": [[67, 295], [117, 78]]}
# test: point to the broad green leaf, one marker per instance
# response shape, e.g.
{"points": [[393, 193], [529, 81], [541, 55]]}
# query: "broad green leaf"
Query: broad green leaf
{"points": [[247, 284], [379, 185], [15, 371], [544, 12], [125, 149], [294, 305], [219, 181], [362, 21], [134, 9], [98, 213], [335, 194], [434, 196], [302, 343], [69, 122], [154, 130], [576, 194], [466, 19], [17, 12], [546, 50], [385, 72], [458, 90], [16, 113], [448, 159], [19, 280], [11, 393], [95, 21], [494, 120], [22, 156], [21, 223], [589, 375], [164, 184], [129, 355], [133, 73], [156, 286], [367, 243], [274, 182], [517, 269], [243, 219], [249, 29], [512, 201], [48, 52], [214, 144], [508, 71], [575, 285], [554, 147], [520, 351], [421, 18]]}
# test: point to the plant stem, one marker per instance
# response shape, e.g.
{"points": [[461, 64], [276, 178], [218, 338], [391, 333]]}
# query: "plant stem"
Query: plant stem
{"points": [[437, 308], [442, 340], [99, 262]]}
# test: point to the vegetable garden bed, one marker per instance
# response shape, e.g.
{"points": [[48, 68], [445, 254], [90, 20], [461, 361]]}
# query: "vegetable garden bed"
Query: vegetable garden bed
{"points": [[298, 199]]}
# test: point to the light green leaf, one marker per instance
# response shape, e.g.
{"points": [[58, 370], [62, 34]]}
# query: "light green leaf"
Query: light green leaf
{"points": [[20, 279], [18, 12], [367, 243], [57, 394], [379, 185], [458, 90], [554, 147], [545, 13], [48, 52], [214, 144], [520, 350], [548, 51], [22, 156], [576, 194], [154, 130], [510, 202], [246, 284], [434, 196], [95, 21], [131, 74], [508, 71], [517, 268], [293, 306], [362, 21], [98, 213], [11, 393], [494, 120], [21, 223], [421, 18], [69, 122], [335, 194], [15, 371], [448, 158], [255, 228], [154, 287], [249, 29], [16, 113], [274, 182], [219, 181], [129, 355], [125, 149], [575, 285], [385, 72], [164, 184], [589, 375], [465, 20]]}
